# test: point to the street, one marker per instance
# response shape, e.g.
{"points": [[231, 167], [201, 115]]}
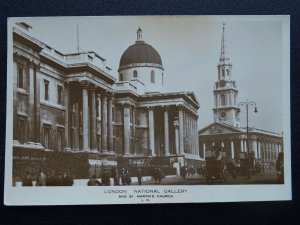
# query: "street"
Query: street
{"points": [[268, 177]]}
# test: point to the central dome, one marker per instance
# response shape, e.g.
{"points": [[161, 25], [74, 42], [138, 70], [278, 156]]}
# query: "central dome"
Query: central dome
{"points": [[140, 53]]}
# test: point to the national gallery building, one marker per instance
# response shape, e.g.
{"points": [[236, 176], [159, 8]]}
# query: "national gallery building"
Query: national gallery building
{"points": [[72, 104]]}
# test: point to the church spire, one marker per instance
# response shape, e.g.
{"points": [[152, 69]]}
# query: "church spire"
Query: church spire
{"points": [[223, 58]]}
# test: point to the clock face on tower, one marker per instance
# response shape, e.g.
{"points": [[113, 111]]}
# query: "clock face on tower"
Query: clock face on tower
{"points": [[223, 115]]}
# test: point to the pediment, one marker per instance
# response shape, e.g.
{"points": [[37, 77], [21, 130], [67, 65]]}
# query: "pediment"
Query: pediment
{"points": [[218, 128]]}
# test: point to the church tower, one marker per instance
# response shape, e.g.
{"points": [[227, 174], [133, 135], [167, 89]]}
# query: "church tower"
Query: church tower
{"points": [[225, 91]]}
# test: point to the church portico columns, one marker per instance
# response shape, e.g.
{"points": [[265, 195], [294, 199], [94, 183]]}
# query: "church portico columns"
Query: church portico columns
{"points": [[232, 149], [85, 111], [259, 149], [254, 145], [166, 127], [242, 144]]}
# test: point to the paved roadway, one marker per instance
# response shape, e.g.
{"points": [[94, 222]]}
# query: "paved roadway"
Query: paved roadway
{"points": [[268, 177]]}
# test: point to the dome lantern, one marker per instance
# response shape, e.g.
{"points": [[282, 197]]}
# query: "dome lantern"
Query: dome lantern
{"points": [[139, 35]]}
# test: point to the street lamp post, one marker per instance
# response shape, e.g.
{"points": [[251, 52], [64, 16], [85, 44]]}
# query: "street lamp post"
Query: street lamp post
{"points": [[247, 104]]}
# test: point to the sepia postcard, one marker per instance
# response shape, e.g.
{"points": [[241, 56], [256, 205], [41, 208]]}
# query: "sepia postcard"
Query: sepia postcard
{"points": [[147, 109]]}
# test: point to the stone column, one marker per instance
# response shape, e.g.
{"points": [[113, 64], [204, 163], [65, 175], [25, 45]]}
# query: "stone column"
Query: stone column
{"points": [[126, 111], [232, 149], [258, 150], [93, 119], [166, 126], [242, 144], [85, 115], [197, 137], [30, 87], [110, 124], [279, 147], [181, 128], [77, 127], [204, 148], [176, 137], [37, 104], [151, 130], [104, 149], [134, 147], [67, 115], [254, 146]]}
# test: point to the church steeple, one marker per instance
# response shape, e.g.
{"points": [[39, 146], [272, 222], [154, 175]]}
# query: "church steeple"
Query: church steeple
{"points": [[223, 57], [225, 91]]}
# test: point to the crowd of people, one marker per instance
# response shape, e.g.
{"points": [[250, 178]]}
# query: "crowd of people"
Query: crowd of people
{"points": [[52, 179], [124, 177]]}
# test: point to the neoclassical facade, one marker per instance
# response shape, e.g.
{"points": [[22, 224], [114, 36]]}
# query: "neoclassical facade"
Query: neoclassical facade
{"points": [[226, 131], [264, 145], [73, 103]]}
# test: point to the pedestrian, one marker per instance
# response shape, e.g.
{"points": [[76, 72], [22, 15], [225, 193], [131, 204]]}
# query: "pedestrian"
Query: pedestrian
{"points": [[127, 178], [114, 174], [159, 175], [27, 181], [139, 176], [155, 175], [41, 181], [123, 175], [105, 177], [67, 179], [93, 181]]}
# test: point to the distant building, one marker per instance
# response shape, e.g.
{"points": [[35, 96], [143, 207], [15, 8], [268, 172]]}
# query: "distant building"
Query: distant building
{"points": [[226, 131], [72, 103]]}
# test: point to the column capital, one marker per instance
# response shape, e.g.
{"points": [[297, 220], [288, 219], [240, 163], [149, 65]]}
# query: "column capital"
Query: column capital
{"points": [[104, 93], [93, 87], [66, 84], [166, 108], [242, 137], [150, 108], [253, 137], [181, 107], [176, 125], [126, 105], [110, 94], [84, 84]]}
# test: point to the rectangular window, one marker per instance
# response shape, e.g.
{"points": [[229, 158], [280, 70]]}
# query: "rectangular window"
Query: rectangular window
{"points": [[46, 97], [22, 130], [20, 77], [113, 114], [60, 138], [47, 137], [59, 95]]}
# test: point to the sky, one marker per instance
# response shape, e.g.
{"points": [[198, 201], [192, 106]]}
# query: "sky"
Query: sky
{"points": [[189, 47]]}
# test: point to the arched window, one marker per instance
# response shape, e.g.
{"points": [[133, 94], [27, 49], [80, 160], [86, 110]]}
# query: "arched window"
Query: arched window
{"points": [[152, 76], [223, 72], [222, 99], [162, 78], [121, 77], [135, 74], [227, 71]]}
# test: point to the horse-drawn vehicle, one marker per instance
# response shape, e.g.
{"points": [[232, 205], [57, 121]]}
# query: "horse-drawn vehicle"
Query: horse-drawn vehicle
{"points": [[215, 168]]}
